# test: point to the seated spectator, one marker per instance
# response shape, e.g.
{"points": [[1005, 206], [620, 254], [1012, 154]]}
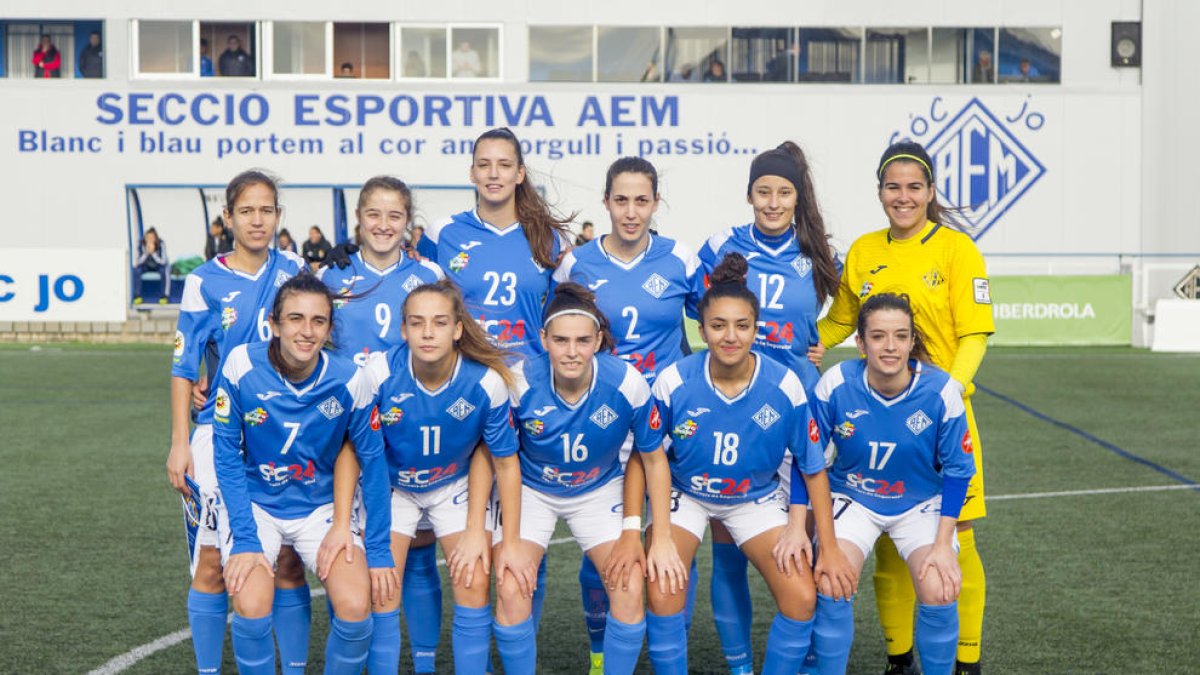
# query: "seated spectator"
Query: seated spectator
{"points": [[347, 70], [316, 248], [47, 62], [284, 241], [219, 241], [91, 57], [151, 260]]}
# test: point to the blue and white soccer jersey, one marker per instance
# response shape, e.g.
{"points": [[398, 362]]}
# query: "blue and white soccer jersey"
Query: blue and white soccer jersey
{"points": [[782, 278], [504, 287], [725, 452], [431, 435], [276, 443], [371, 322], [644, 299], [570, 453], [221, 308], [893, 454]]}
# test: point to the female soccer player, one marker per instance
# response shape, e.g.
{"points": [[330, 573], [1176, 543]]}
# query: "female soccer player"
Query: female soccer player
{"points": [[374, 282], [942, 273], [902, 467], [502, 253], [643, 283], [281, 411], [729, 415], [576, 405], [442, 393], [225, 304], [792, 271]]}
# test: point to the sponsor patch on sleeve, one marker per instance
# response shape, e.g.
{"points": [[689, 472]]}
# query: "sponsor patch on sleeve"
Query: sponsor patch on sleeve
{"points": [[983, 291], [967, 446], [814, 434], [655, 418]]}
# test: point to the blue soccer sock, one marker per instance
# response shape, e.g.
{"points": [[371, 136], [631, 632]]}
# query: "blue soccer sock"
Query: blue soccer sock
{"points": [[787, 645], [384, 654], [517, 646], [622, 645], [348, 645], [253, 648], [539, 594], [472, 639], [833, 633], [595, 603], [666, 639], [732, 611], [292, 612], [689, 609], [422, 599], [206, 616], [937, 637]]}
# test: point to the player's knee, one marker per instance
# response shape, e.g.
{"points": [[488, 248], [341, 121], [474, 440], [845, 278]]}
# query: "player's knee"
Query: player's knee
{"points": [[626, 603], [477, 594], [929, 590], [664, 603], [208, 576], [352, 606], [799, 600], [252, 605]]}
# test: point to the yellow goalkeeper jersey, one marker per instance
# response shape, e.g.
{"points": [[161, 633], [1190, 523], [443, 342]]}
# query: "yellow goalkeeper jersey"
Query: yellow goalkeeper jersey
{"points": [[939, 270]]}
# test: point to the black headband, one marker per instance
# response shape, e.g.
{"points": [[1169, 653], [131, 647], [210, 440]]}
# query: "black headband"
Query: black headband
{"points": [[777, 162]]}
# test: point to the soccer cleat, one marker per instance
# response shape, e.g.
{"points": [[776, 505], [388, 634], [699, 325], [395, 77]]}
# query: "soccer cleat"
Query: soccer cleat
{"points": [[902, 664], [961, 668], [597, 660]]}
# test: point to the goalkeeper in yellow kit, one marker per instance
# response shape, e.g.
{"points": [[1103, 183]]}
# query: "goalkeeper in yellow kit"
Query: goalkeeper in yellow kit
{"points": [[942, 274]]}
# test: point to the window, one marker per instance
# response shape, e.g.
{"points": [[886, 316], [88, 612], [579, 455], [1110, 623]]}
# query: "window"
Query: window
{"points": [[422, 52], [697, 54], [1030, 55], [299, 48], [830, 54], [66, 42], [475, 53], [228, 49], [896, 55], [362, 50], [764, 54], [165, 47], [560, 54], [628, 54], [963, 55]]}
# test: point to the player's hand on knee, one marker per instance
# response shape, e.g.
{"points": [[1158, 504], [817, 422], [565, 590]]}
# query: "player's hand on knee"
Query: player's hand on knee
{"points": [[240, 566], [623, 560], [793, 551], [339, 538], [384, 584], [665, 567], [472, 546], [943, 562], [179, 464], [516, 560], [837, 572]]}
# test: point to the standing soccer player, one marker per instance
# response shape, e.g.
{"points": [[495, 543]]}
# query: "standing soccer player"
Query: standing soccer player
{"points": [[902, 467], [373, 283], [729, 415], [942, 274], [792, 272], [281, 412], [644, 283], [576, 405], [225, 304]]}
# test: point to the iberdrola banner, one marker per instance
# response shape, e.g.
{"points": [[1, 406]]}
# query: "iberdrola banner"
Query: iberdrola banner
{"points": [[1063, 310]]}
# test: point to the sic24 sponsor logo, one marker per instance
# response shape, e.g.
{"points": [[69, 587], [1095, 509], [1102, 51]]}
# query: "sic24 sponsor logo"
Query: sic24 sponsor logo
{"points": [[718, 486], [553, 475], [278, 475], [875, 486], [423, 478]]}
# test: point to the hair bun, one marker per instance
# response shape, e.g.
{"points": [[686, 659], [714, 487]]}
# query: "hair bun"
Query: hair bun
{"points": [[731, 270]]}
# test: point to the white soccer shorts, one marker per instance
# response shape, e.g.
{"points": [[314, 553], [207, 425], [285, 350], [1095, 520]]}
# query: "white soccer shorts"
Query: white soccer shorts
{"points": [[594, 516], [444, 509], [909, 531], [303, 534], [744, 520]]}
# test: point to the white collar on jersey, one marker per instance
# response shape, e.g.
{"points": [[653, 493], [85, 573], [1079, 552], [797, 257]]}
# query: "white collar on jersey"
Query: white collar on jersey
{"points": [[252, 277], [889, 402], [625, 265], [749, 385], [499, 231], [423, 389], [582, 399], [298, 393], [381, 272], [773, 252]]}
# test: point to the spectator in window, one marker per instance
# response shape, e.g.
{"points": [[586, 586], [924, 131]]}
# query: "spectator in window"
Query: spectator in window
{"points": [[414, 65], [91, 57], [285, 241], [316, 248], [465, 61], [347, 70], [152, 259], [781, 68], [586, 233], [235, 61], [218, 241], [1026, 72], [47, 62], [206, 64], [983, 68], [715, 72]]}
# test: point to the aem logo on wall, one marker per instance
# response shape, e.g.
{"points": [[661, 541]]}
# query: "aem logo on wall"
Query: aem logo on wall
{"points": [[980, 166]]}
